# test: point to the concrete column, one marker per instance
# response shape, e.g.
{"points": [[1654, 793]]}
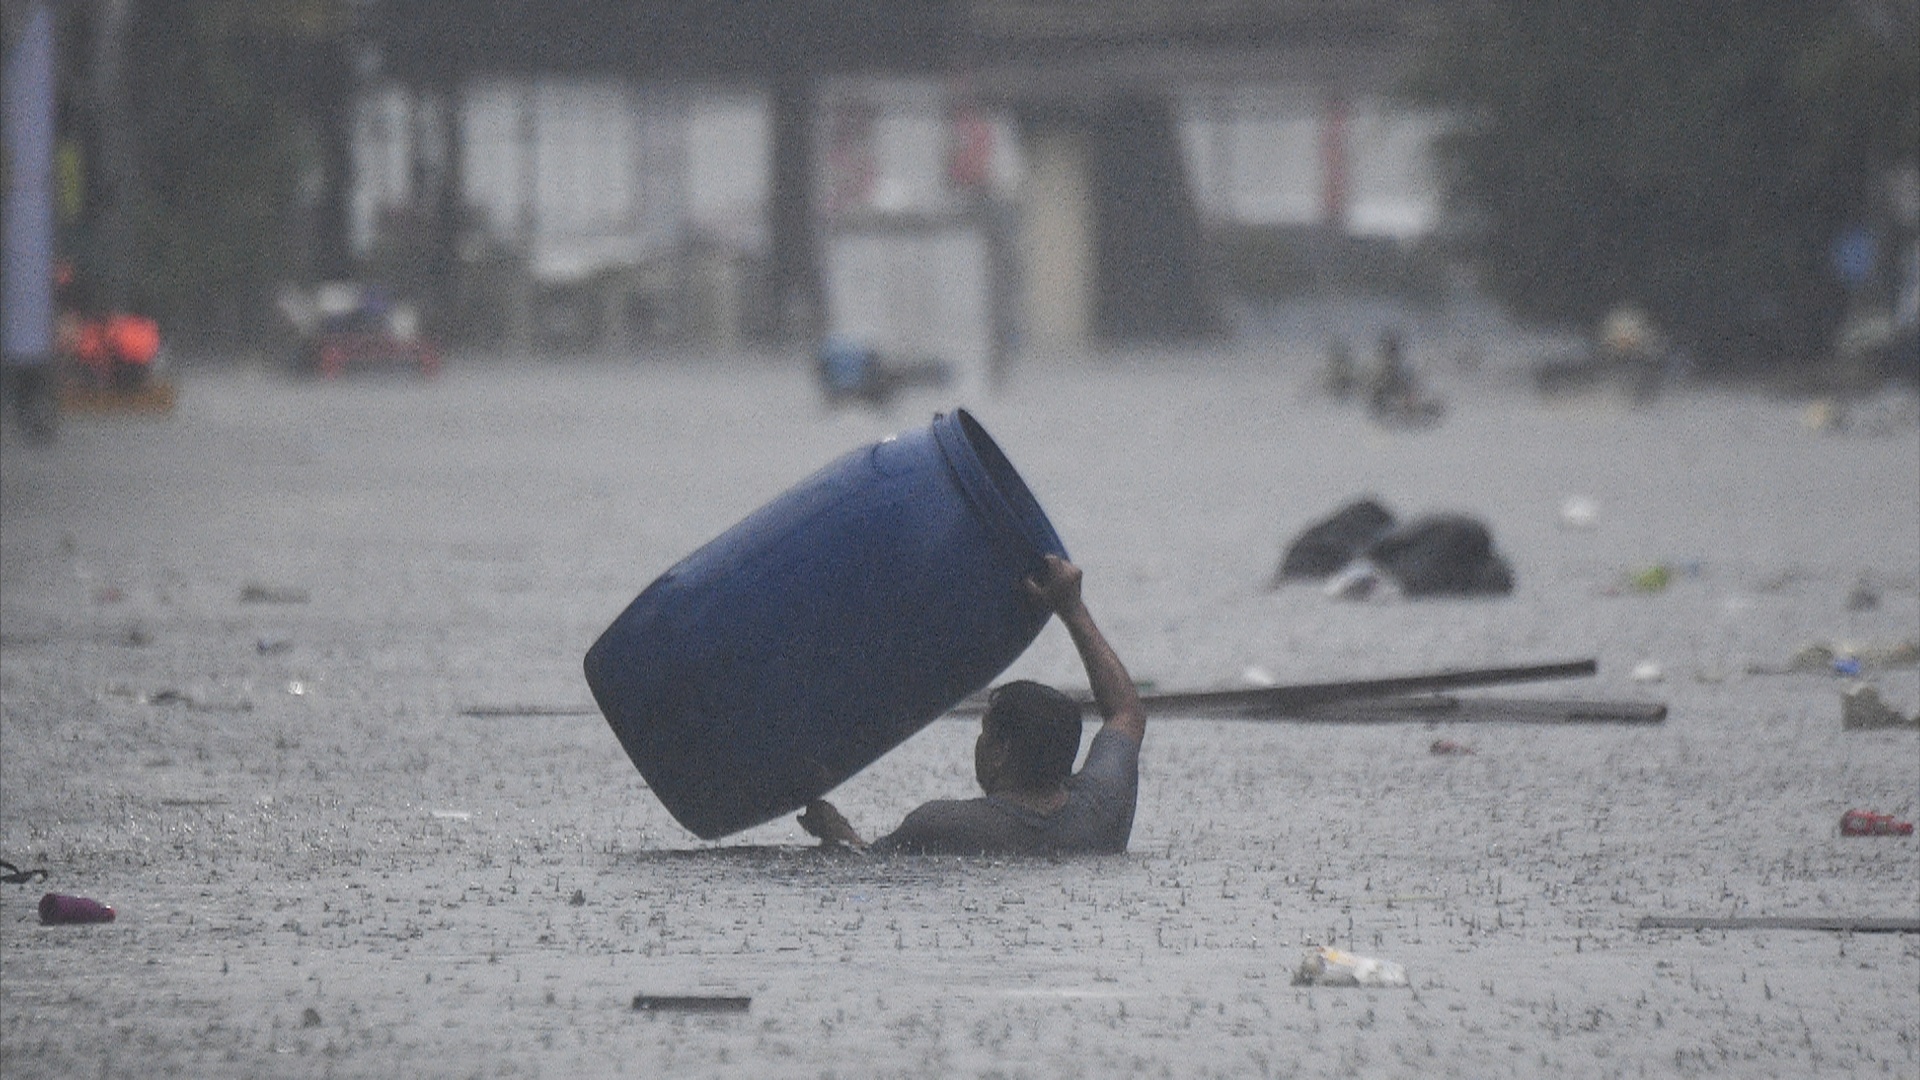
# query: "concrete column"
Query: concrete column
{"points": [[521, 317], [1057, 241]]}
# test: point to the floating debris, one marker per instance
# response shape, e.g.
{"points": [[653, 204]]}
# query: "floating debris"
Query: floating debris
{"points": [[1844, 924], [255, 593], [1650, 579], [1362, 550], [1844, 658], [185, 700], [530, 710], [58, 908], [1255, 675], [1579, 512], [1862, 710], [1868, 823], [1359, 581], [1863, 596], [13, 875], [689, 1003], [1327, 966]]}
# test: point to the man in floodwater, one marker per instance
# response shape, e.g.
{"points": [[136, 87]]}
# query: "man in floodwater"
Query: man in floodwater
{"points": [[1035, 804]]}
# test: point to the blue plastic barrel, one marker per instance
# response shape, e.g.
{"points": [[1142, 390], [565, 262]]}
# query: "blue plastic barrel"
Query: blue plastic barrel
{"points": [[826, 627]]}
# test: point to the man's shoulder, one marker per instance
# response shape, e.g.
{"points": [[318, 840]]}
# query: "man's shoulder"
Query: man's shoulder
{"points": [[949, 810], [945, 826]]}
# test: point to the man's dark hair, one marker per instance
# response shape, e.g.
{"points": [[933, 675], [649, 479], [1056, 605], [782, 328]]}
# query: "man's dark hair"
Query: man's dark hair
{"points": [[1041, 727]]}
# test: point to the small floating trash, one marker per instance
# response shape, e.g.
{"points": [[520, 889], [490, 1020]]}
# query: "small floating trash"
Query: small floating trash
{"points": [[59, 908], [1327, 966], [1869, 823]]}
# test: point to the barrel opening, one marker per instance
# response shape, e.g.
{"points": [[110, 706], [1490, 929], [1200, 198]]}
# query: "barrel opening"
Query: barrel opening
{"points": [[1016, 498]]}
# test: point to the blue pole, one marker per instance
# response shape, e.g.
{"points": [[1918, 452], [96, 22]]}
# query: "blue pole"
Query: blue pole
{"points": [[26, 323], [26, 230]]}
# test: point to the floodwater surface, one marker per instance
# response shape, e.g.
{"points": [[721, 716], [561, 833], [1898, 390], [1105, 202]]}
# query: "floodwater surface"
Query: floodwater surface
{"points": [[262, 658]]}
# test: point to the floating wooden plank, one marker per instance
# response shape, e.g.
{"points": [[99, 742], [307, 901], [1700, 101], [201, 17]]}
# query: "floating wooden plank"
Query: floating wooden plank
{"points": [[255, 593], [530, 710], [1441, 708], [1287, 700], [1782, 922], [689, 1003], [1284, 699]]}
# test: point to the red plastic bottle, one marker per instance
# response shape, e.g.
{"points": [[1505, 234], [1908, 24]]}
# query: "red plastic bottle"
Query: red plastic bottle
{"points": [[60, 908]]}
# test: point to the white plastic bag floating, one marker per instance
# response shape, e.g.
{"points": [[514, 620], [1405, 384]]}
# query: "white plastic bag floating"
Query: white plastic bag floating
{"points": [[1326, 966]]}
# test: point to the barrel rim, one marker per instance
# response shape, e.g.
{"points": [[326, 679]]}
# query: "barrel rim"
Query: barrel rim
{"points": [[988, 478]]}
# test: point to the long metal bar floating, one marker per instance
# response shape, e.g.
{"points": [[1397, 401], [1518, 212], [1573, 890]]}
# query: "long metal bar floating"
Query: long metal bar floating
{"points": [[1271, 700], [1361, 701]]}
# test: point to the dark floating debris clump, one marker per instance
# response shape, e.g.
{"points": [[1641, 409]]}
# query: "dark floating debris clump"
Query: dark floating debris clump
{"points": [[1444, 554]]}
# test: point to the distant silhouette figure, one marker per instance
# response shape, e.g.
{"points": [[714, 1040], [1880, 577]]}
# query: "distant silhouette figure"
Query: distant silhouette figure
{"points": [[1340, 380], [1394, 395]]}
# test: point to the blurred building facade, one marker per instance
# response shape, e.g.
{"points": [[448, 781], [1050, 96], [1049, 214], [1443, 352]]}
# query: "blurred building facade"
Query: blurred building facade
{"points": [[1077, 169]]}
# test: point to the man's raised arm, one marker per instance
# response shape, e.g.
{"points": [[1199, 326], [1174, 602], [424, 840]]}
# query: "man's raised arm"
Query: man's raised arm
{"points": [[1058, 587]]}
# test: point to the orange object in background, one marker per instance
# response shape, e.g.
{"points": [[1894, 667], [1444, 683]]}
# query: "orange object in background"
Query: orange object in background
{"points": [[113, 359], [89, 343], [134, 339], [85, 341]]}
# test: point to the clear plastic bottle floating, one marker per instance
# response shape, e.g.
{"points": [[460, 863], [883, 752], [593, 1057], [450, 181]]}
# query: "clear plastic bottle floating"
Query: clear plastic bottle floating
{"points": [[57, 908], [1327, 966]]}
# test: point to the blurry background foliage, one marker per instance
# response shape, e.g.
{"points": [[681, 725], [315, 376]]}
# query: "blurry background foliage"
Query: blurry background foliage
{"points": [[200, 216], [1694, 157]]}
